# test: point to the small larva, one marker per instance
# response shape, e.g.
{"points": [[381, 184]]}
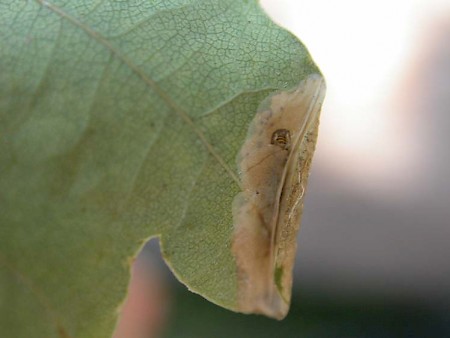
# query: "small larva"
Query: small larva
{"points": [[281, 138]]}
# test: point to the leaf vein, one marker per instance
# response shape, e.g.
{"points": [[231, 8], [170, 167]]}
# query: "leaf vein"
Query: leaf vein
{"points": [[151, 83], [41, 297], [189, 194]]}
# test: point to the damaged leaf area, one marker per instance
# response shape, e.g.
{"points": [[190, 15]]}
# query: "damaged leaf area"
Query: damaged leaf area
{"points": [[274, 165], [190, 121]]}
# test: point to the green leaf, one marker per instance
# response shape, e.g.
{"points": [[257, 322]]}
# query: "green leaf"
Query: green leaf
{"points": [[120, 121]]}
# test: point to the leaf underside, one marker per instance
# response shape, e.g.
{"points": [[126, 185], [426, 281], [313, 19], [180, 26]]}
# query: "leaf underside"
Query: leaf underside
{"points": [[120, 121]]}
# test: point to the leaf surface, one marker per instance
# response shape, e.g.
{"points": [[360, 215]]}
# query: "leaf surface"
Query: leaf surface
{"points": [[120, 121]]}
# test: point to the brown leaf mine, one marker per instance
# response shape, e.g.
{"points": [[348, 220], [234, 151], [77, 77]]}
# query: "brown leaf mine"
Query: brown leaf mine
{"points": [[273, 164]]}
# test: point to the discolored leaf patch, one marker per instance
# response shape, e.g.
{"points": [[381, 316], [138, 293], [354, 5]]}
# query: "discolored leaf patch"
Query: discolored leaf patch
{"points": [[274, 165]]}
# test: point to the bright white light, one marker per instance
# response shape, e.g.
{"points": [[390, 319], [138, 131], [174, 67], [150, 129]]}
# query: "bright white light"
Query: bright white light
{"points": [[364, 49]]}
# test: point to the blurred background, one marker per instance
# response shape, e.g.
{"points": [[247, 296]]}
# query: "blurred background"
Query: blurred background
{"points": [[374, 248]]}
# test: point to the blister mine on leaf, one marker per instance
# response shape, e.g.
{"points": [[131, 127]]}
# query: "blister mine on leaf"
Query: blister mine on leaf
{"points": [[274, 164]]}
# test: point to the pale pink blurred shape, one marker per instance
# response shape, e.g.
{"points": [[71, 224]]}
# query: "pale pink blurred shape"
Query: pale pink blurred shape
{"points": [[144, 313]]}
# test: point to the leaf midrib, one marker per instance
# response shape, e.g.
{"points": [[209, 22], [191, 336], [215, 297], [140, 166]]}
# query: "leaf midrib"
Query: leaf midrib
{"points": [[146, 79]]}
